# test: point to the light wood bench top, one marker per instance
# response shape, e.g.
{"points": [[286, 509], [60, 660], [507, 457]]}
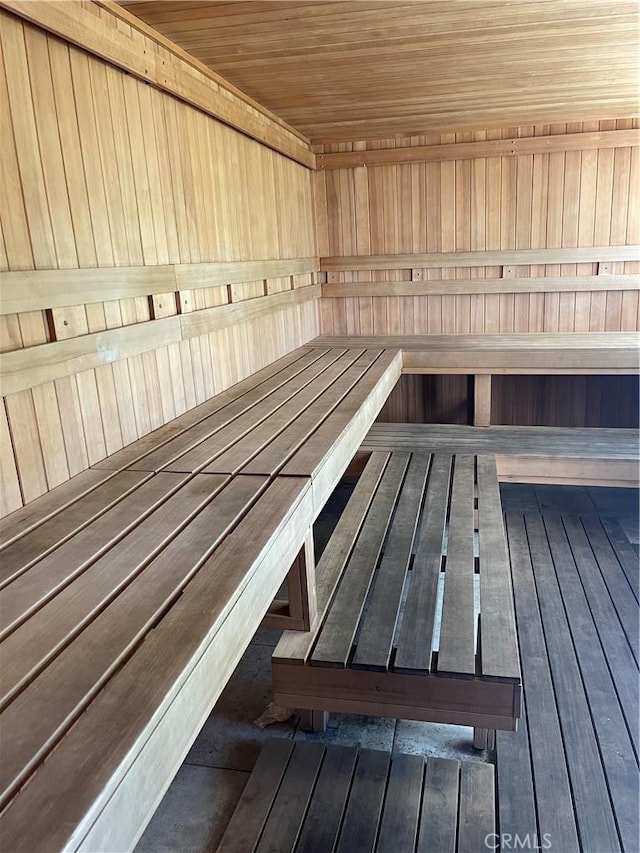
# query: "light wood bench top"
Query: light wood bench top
{"points": [[123, 616], [595, 352], [580, 443], [304, 416], [568, 456], [375, 649], [310, 797]]}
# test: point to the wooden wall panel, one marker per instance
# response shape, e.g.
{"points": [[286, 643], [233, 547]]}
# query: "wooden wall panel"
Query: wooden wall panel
{"points": [[429, 399], [559, 401], [561, 199], [100, 171], [565, 401]]}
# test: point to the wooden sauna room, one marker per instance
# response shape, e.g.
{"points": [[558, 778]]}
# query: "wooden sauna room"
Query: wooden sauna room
{"points": [[319, 434]]}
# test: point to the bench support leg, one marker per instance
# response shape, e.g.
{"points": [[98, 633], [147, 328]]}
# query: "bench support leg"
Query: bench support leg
{"points": [[484, 739], [313, 721], [482, 399], [301, 583], [299, 613]]}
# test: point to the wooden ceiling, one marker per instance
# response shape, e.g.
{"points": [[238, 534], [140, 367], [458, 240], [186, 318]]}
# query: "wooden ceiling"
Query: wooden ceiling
{"points": [[353, 70]]}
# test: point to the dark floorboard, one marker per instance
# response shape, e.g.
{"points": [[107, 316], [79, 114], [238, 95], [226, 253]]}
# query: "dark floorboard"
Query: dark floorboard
{"points": [[576, 754], [570, 771]]}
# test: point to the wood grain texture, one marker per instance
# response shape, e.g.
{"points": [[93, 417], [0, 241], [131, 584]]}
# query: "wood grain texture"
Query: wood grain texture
{"points": [[210, 623], [474, 150], [413, 68], [37, 290], [481, 286], [128, 217], [170, 70], [505, 242]]}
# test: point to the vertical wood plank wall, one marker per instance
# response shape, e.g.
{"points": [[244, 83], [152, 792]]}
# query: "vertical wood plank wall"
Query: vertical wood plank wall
{"points": [[517, 400], [99, 169], [544, 200]]}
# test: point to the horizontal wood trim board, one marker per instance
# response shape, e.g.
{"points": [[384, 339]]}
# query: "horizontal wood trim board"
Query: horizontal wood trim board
{"points": [[482, 285], [213, 319], [168, 72], [554, 469], [26, 368], [34, 290], [190, 276], [518, 257], [474, 150]]}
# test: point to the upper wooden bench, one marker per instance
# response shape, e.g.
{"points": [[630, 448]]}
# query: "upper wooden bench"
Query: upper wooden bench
{"points": [[403, 630], [481, 356], [123, 616], [304, 416], [130, 593], [533, 352]]}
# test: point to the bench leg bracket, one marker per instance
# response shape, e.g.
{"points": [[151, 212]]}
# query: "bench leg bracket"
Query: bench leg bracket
{"points": [[313, 721], [484, 738]]}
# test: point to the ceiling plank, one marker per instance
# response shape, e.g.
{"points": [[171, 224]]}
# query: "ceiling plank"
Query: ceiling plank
{"points": [[355, 69]]}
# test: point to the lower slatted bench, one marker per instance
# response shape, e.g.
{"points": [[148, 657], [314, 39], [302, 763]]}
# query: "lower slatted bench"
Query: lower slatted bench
{"points": [[415, 604], [308, 797]]}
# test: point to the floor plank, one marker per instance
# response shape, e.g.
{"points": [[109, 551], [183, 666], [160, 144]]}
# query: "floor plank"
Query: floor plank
{"points": [[575, 755]]}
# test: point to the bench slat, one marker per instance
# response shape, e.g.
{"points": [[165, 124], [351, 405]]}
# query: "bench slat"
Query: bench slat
{"points": [[476, 820], [287, 813], [287, 443], [334, 644], [498, 638], [255, 802], [416, 632], [295, 646], [377, 627], [27, 649], [41, 540], [317, 450], [33, 588], [364, 808], [213, 446], [73, 678], [439, 813], [151, 449], [237, 456], [399, 825], [42, 509], [457, 630], [324, 818]]}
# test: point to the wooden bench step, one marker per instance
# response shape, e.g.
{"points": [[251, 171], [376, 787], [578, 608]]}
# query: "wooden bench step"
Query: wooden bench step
{"points": [[375, 650], [308, 797]]}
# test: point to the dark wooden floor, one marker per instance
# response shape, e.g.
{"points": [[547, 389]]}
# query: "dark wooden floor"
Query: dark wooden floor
{"points": [[568, 779]]}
